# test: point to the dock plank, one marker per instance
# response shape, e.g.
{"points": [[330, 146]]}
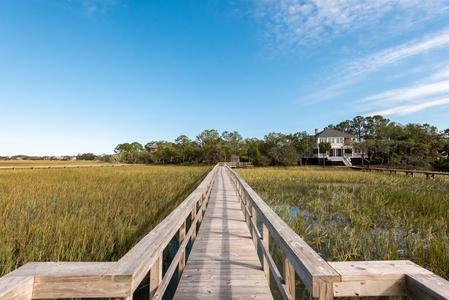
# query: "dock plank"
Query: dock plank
{"points": [[223, 263]]}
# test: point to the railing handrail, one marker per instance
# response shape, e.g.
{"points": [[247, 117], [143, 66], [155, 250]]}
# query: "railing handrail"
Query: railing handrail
{"points": [[114, 279], [237, 164], [314, 271], [400, 170], [326, 280]]}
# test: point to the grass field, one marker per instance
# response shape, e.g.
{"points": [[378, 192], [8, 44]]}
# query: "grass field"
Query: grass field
{"points": [[85, 214], [353, 215]]}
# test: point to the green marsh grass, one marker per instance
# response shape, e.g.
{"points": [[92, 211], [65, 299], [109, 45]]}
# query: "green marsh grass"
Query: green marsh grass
{"points": [[86, 214], [354, 215]]}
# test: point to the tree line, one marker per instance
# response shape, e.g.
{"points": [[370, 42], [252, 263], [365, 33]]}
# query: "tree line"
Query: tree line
{"points": [[381, 141], [211, 147]]}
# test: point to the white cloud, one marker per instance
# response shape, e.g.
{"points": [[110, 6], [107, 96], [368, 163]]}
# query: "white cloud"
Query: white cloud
{"points": [[414, 92], [356, 70], [410, 108], [309, 22], [396, 54], [89, 7], [443, 74], [412, 99]]}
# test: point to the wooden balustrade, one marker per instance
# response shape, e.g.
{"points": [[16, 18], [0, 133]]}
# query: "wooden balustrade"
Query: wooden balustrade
{"points": [[235, 164], [326, 280], [408, 173], [51, 280]]}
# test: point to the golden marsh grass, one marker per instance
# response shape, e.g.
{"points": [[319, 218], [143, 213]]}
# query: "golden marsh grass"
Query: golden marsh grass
{"points": [[353, 215], [86, 214]]}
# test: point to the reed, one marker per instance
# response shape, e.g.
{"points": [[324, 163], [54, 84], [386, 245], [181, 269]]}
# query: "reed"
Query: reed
{"points": [[351, 215], [86, 214]]}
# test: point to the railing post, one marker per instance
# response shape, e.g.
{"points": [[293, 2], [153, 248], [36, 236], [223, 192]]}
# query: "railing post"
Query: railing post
{"points": [[248, 209], [155, 276], [254, 216], [200, 208], [266, 245], [192, 217], [289, 277], [203, 202], [182, 261], [325, 290]]}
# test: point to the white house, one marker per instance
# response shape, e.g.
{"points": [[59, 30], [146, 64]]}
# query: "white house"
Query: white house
{"points": [[342, 152]]}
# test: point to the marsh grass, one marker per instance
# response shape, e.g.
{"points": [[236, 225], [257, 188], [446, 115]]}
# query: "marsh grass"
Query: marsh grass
{"points": [[87, 214], [352, 215], [28, 163]]}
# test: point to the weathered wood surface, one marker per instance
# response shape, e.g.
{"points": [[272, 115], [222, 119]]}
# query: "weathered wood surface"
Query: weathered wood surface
{"points": [[388, 278], [78, 279], [374, 278], [20, 288], [427, 286], [223, 263]]}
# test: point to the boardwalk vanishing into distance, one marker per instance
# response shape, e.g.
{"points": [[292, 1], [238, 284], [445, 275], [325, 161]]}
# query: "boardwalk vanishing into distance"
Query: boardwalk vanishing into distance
{"points": [[230, 227], [223, 263]]}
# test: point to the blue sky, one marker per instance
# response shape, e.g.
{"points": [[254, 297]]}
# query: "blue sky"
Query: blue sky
{"points": [[82, 76]]}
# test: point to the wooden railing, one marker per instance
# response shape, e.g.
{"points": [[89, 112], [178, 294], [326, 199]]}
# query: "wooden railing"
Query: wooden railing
{"points": [[326, 280], [51, 280], [235, 164], [429, 174]]}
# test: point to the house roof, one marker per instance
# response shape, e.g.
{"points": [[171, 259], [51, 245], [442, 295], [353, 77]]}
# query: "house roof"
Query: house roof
{"points": [[333, 133]]}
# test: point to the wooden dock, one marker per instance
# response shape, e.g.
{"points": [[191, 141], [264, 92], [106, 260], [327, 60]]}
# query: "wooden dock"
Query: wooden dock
{"points": [[223, 263]]}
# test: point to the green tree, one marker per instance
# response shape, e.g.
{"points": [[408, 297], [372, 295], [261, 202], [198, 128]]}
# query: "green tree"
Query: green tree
{"points": [[303, 143], [232, 144], [280, 148], [324, 147], [209, 142], [188, 149], [254, 153], [86, 156], [128, 153]]}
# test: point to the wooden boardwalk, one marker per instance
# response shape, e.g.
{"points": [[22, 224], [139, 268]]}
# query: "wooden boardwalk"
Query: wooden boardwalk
{"points": [[223, 263]]}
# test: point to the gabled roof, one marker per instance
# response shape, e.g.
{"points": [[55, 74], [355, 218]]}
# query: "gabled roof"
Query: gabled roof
{"points": [[333, 133]]}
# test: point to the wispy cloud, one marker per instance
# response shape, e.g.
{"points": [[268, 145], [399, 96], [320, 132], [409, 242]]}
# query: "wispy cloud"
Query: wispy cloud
{"points": [[408, 100], [410, 108], [350, 73], [299, 23], [444, 74], [411, 93], [393, 55], [89, 7]]}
